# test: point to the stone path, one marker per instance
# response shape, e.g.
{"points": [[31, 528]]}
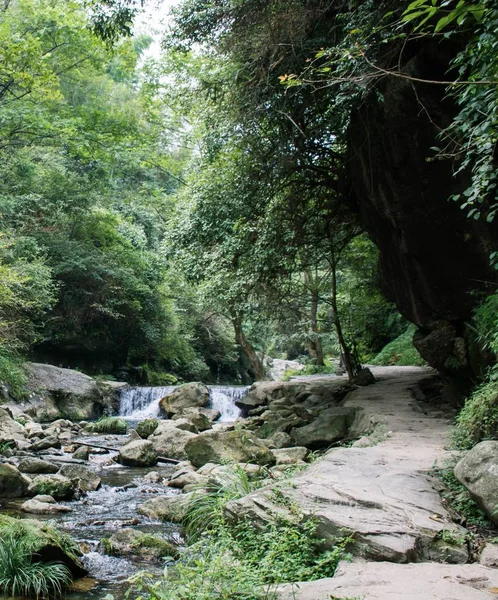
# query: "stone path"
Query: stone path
{"points": [[384, 498]]}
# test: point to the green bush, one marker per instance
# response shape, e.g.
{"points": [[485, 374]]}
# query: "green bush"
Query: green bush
{"points": [[147, 427], [400, 352], [12, 372], [478, 419], [21, 574], [109, 425], [226, 560]]}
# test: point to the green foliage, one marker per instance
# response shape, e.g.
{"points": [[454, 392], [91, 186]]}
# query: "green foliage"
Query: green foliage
{"points": [[20, 575], [112, 425], [240, 560], [478, 419], [459, 498], [12, 372], [20, 571], [400, 351], [146, 427]]}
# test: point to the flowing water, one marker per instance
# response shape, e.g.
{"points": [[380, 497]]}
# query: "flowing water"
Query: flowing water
{"points": [[114, 505], [99, 514], [143, 402]]}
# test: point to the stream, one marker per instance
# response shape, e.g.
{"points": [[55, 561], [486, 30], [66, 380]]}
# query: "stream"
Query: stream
{"points": [[113, 506]]}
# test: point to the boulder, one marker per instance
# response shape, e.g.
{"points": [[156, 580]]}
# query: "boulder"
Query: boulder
{"points": [[330, 426], [37, 466], [44, 505], [46, 443], [279, 439], [290, 456], [364, 377], [139, 453], [489, 556], [147, 546], [10, 430], [62, 393], [46, 542], [167, 508], [81, 453], [186, 425], [185, 477], [186, 396], [197, 416], [227, 446], [86, 480], [57, 486], [13, 484], [478, 472], [170, 442]]}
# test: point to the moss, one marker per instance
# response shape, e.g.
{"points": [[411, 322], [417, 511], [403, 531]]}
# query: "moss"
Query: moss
{"points": [[111, 425], [147, 427]]}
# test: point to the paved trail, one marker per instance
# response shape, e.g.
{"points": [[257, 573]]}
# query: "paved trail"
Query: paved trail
{"points": [[382, 495]]}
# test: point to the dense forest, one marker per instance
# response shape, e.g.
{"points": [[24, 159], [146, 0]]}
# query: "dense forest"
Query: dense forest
{"points": [[193, 191], [248, 191]]}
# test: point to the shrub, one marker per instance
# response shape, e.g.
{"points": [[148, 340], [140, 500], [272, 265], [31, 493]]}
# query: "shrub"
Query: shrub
{"points": [[478, 419], [400, 351], [146, 427], [21, 574], [238, 560], [109, 425]]}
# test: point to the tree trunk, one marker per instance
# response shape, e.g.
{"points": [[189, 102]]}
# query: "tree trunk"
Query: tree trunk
{"points": [[257, 367], [315, 342], [349, 361]]}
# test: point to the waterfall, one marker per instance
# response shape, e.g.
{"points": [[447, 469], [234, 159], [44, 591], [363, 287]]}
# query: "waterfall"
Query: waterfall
{"points": [[143, 402], [223, 398]]}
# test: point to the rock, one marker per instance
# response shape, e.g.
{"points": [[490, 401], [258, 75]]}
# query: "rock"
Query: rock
{"points": [[58, 486], [364, 377], [186, 425], [13, 484], [331, 426], [38, 466], [146, 427], [279, 439], [170, 442], [81, 453], [383, 580], [186, 396], [478, 472], [44, 505], [389, 511], [10, 430], [290, 456], [186, 477], [212, 414], [33, 429], [47, 543], [126, 542], [45, 443], [87, 480], [197, 417], [222, 446], [139, 453], [167, 508], [153, 477], [489, 556]]}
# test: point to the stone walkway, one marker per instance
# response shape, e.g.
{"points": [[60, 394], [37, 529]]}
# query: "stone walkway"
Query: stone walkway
{"points": [[382, 496]]}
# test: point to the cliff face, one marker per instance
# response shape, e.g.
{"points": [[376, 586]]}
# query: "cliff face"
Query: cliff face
{"points": [[434, 261]]}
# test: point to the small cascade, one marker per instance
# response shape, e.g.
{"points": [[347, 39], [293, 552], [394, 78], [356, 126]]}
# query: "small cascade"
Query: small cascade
{"points": [[142, 402], [138, 403], [223, 398]]}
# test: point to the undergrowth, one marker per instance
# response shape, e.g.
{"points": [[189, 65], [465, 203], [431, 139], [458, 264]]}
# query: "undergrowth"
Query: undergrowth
{"points": [[21, 574], [478, 419], [400, 351], [459, 499], [229, 558], [12, 372]]}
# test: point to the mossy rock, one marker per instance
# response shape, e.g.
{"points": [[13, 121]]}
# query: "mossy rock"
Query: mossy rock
{"points": [[57, 486], [46, 542], [126, 542]]}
